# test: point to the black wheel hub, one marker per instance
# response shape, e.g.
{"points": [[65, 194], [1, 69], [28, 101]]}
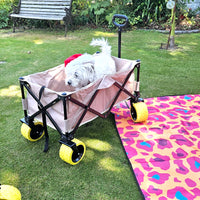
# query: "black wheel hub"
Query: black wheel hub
{"points": [[36, 131], [78, 153], [133, 113]]}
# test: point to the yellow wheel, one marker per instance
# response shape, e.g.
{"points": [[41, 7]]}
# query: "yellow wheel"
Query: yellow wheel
{"points": [[33, 134], [8, 192], [139, 112], [68, 155]]}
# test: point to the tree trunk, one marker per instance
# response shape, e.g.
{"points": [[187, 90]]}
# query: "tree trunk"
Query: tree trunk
{"points": [[171, 42]]}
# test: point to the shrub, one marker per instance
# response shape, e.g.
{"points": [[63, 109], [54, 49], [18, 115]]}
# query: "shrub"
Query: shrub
{"points": [[91, 12], [5, 10], [5, 6], [100, 12]]}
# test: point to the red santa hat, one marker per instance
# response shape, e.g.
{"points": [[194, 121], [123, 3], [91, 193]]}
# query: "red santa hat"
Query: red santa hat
{"points": [[68, 60]]}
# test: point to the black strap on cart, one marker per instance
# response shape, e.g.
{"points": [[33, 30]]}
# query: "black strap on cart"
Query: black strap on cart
{"points": [[46, 146]]}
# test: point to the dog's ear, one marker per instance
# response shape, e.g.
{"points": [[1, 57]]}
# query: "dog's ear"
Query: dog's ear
{"points": [[90, 69]]}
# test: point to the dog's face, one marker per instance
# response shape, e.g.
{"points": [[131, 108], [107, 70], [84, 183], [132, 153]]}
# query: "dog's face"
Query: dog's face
{"points": [[80, 75]]}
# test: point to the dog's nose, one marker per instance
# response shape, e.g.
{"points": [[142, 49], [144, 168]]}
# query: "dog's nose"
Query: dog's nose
{"points": [[69, 82]]}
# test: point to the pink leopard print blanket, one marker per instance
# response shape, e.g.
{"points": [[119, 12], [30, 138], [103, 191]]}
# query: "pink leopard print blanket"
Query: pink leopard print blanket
{"points": [[164, 151]]}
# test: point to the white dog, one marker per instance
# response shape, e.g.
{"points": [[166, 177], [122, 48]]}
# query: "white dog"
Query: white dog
{"points": [[88, 68]]}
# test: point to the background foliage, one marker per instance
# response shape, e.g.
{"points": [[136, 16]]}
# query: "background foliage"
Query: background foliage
{"points": [[99, 13], [139, 12], [5, 8]]}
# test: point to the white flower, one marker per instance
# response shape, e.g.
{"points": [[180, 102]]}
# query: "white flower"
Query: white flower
{"points": [[170, 4]]}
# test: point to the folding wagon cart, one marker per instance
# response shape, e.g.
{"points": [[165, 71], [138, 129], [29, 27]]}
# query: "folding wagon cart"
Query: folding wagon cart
{"points": [[47, 100]]}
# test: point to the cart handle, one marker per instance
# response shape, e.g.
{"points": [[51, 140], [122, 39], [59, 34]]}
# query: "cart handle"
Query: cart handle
{"points": [[120, 26], [120, 17]]}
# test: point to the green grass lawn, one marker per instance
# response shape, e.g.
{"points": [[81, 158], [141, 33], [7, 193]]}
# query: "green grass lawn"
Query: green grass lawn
{"points": [[104, 173]]}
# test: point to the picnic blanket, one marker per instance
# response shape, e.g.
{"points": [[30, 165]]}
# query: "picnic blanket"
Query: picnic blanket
{"points": [[164, 151]]}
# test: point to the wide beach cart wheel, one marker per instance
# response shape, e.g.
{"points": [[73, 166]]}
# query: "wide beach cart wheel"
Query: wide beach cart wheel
{"points": [[33, 134], [139, 112], [70, 156], [8, 192]]}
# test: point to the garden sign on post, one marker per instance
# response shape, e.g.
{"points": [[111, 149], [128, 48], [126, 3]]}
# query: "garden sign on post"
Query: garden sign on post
{"points": [[171, 5]]}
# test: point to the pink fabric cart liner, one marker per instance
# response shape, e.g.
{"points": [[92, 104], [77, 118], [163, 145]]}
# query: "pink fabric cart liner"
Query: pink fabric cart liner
{"points": [[54, 82]]}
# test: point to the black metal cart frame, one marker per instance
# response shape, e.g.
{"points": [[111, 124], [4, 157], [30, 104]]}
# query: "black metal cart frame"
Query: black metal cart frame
{"points": [[67, 137]]}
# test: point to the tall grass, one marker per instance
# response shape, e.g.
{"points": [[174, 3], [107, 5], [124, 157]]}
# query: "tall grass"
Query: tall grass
{"points": [[104, 173]]}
